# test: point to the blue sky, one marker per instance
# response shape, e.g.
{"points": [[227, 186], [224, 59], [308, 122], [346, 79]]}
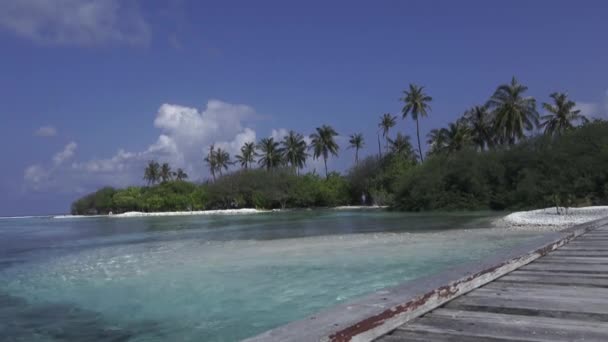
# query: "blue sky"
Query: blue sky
{"points": [[90, 90]]}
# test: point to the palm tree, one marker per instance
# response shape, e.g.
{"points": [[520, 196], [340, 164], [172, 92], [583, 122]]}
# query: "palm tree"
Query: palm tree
{"points": [[246, 158], [211, 160], [387, 121], [401, 146], [293, 149], [437, 140], [513, 113], [165, 173], [457, 136], [357, 142], [270, 155], [480, 123], [561, 116], [324, 144], [180, 175], [222, 159], [416, 104], [152, 172]]}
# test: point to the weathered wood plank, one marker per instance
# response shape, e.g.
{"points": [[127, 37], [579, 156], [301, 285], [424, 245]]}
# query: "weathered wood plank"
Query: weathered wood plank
{"points": [[566, 275], [556, 279], [559, 268], [561, 252], [585, 248], [494, 325], [567, 300], [586, 306], [571, 260], [419, 336], [562, 290]]}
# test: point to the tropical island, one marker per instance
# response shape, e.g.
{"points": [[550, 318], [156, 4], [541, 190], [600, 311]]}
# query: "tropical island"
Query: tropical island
{"points": [[505, 154]]}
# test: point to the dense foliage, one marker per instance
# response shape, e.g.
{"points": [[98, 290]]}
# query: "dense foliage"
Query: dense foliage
{"points": [[490, 158], [250, 188], [568, 170]]}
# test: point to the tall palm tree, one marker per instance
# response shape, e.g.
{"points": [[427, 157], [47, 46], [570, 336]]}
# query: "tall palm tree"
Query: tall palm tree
{"points": [[401, 146], [180, 175], [387, 121], [480, 124], [211, 160], [165, 172], [222, 159], [437, 140], [246, 158], [323, 144], [457, 136], [513, 112], [152, 172], [270, 154], [561, 116], [416, 103], [293, 149], [357, 142]]}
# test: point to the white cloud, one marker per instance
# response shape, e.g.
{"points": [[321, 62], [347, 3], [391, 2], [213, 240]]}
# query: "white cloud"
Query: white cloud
{"points": [[46, 131], [66, 154], [35, 174], [279, 134], [185, 135], [75, 22], [38, 177]]}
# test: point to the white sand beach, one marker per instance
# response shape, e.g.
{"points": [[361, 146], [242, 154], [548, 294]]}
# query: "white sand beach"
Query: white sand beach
{"points": [[192, 213], [243, 211], [549, 218]]}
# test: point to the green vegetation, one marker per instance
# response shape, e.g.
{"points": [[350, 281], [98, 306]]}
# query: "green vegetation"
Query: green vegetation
{"points": [[489, 158]]}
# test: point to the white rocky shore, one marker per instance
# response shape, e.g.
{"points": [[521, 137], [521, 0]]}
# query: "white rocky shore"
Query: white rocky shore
{"points": [[550, 219]]}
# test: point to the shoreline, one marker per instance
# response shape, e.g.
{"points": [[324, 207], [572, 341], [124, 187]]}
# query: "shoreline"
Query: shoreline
{"points": [[545, 219], [242, 211], [548, 218]]}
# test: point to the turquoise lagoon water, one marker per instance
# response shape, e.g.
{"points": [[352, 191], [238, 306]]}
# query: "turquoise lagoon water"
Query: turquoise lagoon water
{"points": [[216, 278]]}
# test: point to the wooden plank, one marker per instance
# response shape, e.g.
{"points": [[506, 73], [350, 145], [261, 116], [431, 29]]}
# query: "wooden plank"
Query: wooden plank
{"points": [[556, 279], [517, 327], [578, 268], [421, 336], [584, 248], [562, 290], [561, 252], [565, 275], [581, 303], [571, 260]]}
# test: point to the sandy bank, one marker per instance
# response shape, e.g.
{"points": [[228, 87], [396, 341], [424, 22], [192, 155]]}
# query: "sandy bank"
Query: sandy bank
{"points": [[349, 207], [549, 218]]}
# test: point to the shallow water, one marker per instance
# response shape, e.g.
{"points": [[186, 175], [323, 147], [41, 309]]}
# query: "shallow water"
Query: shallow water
{"points": [[216, 278]]}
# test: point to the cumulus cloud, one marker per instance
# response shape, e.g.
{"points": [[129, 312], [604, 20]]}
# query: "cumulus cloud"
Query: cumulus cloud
{"points": [[75, 22], [46, 131], [185, 135], [39, 177], [65, 154]]}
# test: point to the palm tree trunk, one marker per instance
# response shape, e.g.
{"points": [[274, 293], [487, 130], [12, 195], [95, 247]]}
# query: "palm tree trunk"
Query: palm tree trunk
{"points": [[325, 162], [379, 148], [386, 145], [357, 156], [418, 135]]}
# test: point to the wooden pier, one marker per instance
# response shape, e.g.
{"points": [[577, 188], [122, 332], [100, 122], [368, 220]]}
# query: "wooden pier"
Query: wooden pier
{"points": [[562, 296], [553, 288]]}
